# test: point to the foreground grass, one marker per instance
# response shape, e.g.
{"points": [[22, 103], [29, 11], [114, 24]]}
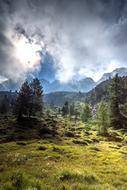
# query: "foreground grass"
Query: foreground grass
{"points": [[80, 162]]}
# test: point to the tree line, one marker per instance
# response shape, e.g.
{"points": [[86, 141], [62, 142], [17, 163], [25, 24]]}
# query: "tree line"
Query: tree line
{"points": [[108, 113], [27, 102], [111, 113]]}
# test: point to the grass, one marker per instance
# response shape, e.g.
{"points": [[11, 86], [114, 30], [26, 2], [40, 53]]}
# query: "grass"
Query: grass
{"points": [[58, 163]]}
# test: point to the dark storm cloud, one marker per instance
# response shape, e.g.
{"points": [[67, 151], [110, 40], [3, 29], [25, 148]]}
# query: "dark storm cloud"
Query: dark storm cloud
{"points": [[85, 37]]}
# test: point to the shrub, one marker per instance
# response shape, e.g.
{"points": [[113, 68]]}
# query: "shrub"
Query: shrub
{"points": [[84, 178], [42, 148]]}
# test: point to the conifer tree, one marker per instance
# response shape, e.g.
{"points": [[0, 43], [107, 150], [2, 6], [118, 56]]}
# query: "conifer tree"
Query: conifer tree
{"points": [[116, 99], [29, 99], [103, 118], [23, 100], [36, 103], [4, 107], [72, 109], [86, 113], [65, 109]]}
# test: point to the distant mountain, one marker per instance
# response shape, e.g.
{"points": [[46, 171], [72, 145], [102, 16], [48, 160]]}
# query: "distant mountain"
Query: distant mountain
{"points": [[94, 96], [120, 71], [100, 92], [84, 85]]}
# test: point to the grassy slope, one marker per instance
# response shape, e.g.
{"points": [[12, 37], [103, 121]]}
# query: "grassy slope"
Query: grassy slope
{"points": [[83, 162]]}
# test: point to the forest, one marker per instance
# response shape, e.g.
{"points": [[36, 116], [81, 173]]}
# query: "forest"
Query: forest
{"points": [[78, 144]]}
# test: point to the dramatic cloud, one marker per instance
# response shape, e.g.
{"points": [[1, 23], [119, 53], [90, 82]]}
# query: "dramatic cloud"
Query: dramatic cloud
{"points": [[84, 37]]}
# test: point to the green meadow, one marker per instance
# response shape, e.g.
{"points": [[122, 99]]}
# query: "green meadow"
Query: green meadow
{"points": [[73, 159]]}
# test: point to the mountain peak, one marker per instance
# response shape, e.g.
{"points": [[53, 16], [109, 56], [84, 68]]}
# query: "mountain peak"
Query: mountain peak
{"points": [[122, 71]]}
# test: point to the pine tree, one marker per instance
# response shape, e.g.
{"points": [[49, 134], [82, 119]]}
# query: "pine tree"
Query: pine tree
{"points": [[23, 101], [103, 118], [65, 109], [4, 107], [86, 113], [72, 109], [76, 114], [29, 99], [116, 99], [36, 103]]}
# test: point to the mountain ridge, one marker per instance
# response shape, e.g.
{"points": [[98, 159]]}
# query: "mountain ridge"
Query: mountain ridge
{"points": [[83, 85]]}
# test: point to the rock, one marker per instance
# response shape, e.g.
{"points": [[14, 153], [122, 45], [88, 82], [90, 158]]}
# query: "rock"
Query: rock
{"points": [[50, 158], [42, 148]]}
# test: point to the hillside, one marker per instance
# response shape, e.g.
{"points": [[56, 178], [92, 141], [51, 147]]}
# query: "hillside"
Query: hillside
{"points": [[53, 149], [75, 159], [122, 72], [100, 92]]}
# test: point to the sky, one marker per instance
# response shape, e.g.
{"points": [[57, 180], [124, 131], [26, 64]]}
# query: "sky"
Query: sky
{"points": [[62, 39]]}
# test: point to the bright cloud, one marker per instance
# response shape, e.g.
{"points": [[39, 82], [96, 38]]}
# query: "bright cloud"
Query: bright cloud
{"points": [[85, 38]]}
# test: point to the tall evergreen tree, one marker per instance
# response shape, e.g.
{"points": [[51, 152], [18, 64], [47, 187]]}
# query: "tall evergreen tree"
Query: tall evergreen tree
{"points": [[72, 109], [116, 99], [23, 100], [103, 118], [4, 107], [65, 109], [86, 113], [29, 99], [36, 103]]}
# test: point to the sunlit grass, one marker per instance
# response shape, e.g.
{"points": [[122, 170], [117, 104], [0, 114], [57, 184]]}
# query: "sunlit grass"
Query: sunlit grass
{"points": [[61, 164]]}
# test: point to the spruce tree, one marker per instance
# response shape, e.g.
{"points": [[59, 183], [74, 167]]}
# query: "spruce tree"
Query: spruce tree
{"points": [[23, 101], [72, 109], [36, 103], [86, 113], [65, 109], [116, 99], [4, 107], [29, 99], [103, 118]]}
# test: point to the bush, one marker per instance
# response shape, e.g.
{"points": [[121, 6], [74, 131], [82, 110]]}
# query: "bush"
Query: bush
{"points": [[69, 134], [80, 142], [42, 148], [85, 178], [18, 180]]}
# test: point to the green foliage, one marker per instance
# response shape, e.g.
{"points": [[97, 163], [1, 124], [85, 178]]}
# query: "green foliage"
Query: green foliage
{"points": [[86, 113], [4, 106], [115, 101], [36, 99], [73, 176], [103, 118], [72, 109], [79, 160], [21, 181], [65, 109], [29, 99]]}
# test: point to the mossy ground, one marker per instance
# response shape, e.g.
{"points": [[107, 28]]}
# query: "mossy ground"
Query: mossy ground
{"points": [[82, 161]]}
